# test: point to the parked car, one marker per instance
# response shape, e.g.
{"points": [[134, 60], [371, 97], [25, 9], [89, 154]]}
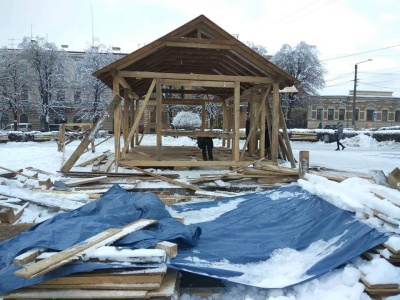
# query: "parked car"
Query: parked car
{"points": [[334, 127], [22, 127]]}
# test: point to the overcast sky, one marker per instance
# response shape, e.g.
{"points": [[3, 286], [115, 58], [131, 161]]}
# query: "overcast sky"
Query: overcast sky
{"points": [[345, 32]]}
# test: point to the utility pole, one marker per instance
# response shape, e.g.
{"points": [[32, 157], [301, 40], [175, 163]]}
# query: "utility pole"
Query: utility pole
{"points": [[353, 120]]}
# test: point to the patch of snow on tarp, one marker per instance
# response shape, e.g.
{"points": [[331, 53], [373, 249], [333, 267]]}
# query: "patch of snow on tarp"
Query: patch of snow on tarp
{"points": [[275, 239]]}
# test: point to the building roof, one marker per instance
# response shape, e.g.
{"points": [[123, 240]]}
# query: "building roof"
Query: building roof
{"points": [[197, 47]]}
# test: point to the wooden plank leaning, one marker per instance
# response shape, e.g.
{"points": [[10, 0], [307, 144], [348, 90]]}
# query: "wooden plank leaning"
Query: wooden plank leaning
{"points": [[72, 253], [87, 140]]}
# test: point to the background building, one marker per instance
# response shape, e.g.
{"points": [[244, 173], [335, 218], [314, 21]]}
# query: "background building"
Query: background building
{"points": [[374, 109]]}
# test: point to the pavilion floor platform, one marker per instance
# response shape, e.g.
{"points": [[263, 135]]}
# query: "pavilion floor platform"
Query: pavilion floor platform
{"points": [[184, 157]]}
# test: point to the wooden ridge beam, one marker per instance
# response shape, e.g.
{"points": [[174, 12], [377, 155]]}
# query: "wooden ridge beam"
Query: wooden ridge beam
{"points": [[197, 77]]}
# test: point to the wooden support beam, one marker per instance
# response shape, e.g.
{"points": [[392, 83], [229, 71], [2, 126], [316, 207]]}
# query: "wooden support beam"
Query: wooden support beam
{"points": [[260, 113], [138, 116], [275, 122], [286, 138], [304, 163], [86, 141], [125, 128], [117, 123], [195, 77], [159, 118], [236, 115], [263, 128], [209, 83]]}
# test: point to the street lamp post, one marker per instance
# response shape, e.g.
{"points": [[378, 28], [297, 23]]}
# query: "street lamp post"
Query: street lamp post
{"points": [[353, 120]]}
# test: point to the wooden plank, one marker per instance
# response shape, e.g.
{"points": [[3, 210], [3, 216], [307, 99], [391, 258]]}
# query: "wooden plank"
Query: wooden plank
{"points": [[29, 293], [72, 253], [236, 116], [196, 77], [304, 163], [85, 181], [394, 179], [100, 286], [275, 122], [379, 177], [274, 168], [188, 186], [170, 248], [90, 161], [105, 277], [126, 255], [27, 256], [88, 138], [379, 286], [19, 173], [276, 179]]}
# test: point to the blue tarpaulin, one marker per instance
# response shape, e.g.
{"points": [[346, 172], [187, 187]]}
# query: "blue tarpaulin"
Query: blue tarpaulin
{"points": [[249, 235]]}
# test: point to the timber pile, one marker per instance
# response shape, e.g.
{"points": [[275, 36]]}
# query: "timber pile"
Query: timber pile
{"points": [[392, 255], [149, 279], [304, 136]]}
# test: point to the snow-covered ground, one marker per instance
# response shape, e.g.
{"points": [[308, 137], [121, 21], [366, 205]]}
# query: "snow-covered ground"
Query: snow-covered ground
{"points": [[361, 154]]}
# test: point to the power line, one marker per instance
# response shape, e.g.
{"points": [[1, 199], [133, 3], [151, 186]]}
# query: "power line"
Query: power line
{"points": [[360, 53]]}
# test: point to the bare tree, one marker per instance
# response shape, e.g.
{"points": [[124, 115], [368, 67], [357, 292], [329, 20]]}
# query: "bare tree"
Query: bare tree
{"points": [[13, 82], [48, 71], [92, 101], [302, 63], [260, 49]]}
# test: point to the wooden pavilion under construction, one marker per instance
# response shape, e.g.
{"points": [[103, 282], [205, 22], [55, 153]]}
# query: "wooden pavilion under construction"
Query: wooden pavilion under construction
{"points": [[201, 59]]}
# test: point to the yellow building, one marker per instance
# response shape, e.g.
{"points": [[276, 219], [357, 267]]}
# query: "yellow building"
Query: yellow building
{"points": [[373, 109]]}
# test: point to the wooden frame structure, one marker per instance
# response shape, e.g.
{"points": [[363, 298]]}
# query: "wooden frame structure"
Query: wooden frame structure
{"points": [[198, 58]]}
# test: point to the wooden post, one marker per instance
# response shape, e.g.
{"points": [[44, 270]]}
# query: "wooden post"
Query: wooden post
{"points": [[125, 129], [93, 146], [253, 124], [224, 122], [304, 163], [236, 116], [275, 122], [132, 117], [203, 116], [158, 117], [61, 138], [117, 123], [136, 116], [262, 125], [286, 137]]}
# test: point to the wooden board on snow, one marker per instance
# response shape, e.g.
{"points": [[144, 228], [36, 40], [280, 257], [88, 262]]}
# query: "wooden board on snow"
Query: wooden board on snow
{"points": [[72, 253]]}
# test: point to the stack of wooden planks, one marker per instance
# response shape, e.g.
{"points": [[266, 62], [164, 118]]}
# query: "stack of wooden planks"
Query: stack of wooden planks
{"points": [[392, 255], [149, 279], [304, 136]]}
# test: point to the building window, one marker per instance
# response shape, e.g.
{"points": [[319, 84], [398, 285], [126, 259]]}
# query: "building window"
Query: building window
{"points": [[330, 113], [341, 114], [24, 95], [370, 114], [356, 114], [61, 96], [23, 118], [5, 120], [77, 97], [397, 116], [319, 113], [384, 115]]}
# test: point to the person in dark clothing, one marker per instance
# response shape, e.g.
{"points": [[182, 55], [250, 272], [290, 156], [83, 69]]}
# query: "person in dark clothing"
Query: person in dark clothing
{"points": [[206, 145], [339, 136]]}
